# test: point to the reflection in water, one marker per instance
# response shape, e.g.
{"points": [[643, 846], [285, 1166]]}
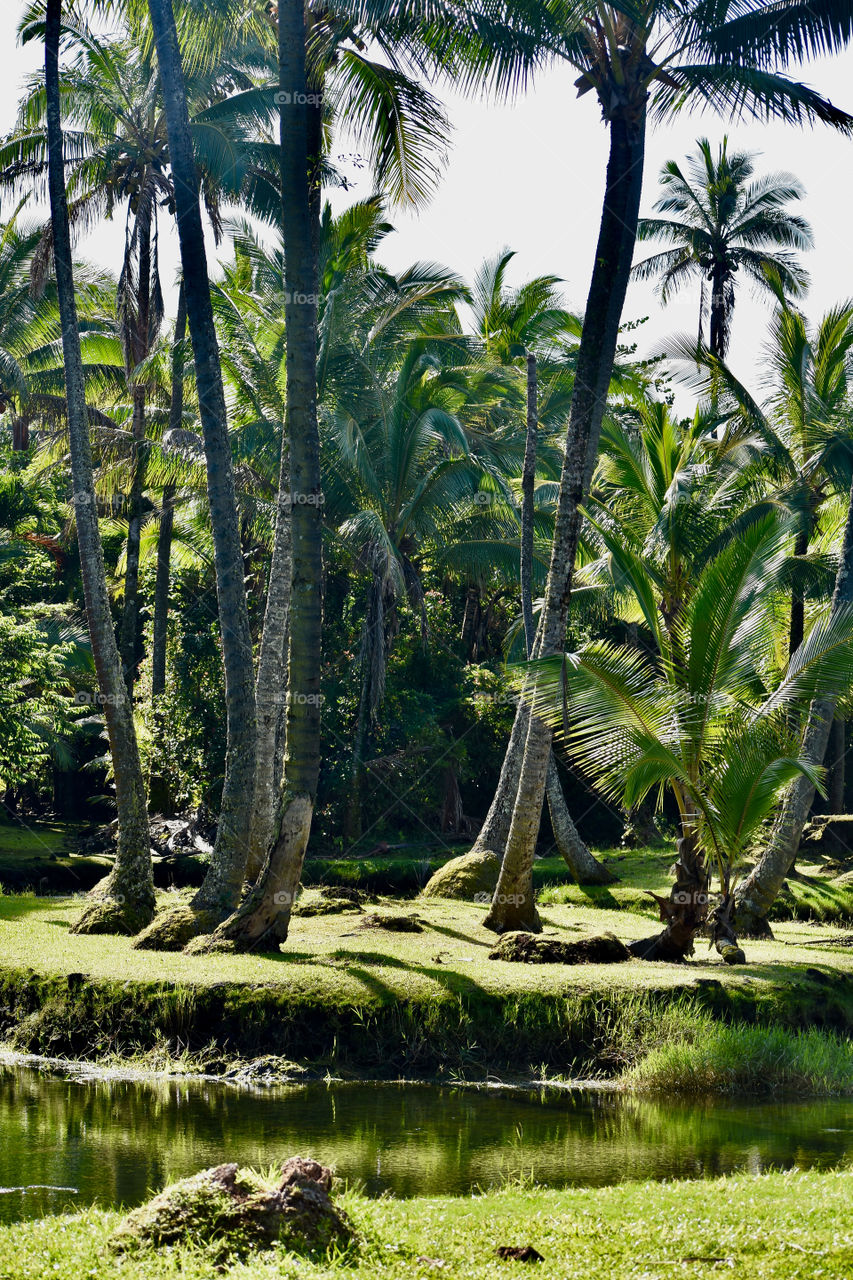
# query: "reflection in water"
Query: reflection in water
{"points": [[115, 1141]]}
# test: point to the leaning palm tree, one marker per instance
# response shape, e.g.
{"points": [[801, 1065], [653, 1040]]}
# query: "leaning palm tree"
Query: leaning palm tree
{"points": [[719, 224], [126, 899], [644, 61], [707, 719]]}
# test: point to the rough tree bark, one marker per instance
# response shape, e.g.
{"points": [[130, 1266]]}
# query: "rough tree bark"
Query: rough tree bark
{"points": [[513, 906], [271, 683], [167, 513], [756, 894], [264, 918], [584, 867], [223, 884], [124, 902], [137, 349]]}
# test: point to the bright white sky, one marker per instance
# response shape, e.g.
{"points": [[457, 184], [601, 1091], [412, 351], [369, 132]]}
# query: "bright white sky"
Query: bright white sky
{"points": [[530, 175]]}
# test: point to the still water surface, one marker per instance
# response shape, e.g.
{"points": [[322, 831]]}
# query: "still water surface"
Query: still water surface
{"points": [[67, 1142]]}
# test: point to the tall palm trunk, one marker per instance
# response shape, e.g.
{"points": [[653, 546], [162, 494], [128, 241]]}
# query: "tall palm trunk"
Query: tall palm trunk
{"points": [[756, 894], [224, 881], [263, 921], [271, 684], [584, 867], [126, 897], [513, 906], [167, 513], [138, 349]]}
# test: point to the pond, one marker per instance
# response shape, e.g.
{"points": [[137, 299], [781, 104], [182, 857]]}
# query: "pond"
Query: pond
{"points": [[68, 1142]]}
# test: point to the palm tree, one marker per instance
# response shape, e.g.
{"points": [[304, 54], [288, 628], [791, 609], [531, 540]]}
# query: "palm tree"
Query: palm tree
{"points": [[802, 421], [222, 886], [644, 60], [719, 223], [126, 898], [706, 719], [530, 324]]}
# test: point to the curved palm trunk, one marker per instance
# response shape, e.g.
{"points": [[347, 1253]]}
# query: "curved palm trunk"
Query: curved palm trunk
{"points": [[126, 898], [584, 867], [263, 921], [167, 515], [271, 684], [139, 350], [513, 906], [223, 884], [756, 894]]}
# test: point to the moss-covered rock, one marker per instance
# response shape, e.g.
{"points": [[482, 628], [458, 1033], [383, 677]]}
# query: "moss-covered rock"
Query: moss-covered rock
{"points": [[235, 1210], [530, 948], [173, 929], [469, 877]]}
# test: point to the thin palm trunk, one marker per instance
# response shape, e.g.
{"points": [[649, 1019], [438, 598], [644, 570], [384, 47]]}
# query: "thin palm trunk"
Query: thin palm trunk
{"points": [[271, 684], [513, 906], [139, 345], [224, 881], [126, 898], [167, 513], [756, 894], [263, 921], [584, 867]]}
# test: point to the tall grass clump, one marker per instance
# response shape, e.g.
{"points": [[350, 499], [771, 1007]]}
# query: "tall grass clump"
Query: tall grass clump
{"points": [[720, 1058]]}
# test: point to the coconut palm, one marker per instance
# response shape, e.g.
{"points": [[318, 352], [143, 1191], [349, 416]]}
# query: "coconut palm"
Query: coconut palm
{"points": [[718, 224], [644, 61], [127, 896], [706, 720]]}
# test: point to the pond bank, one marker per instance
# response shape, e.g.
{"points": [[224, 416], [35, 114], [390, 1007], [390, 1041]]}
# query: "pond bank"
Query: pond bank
{"points": [[791, 1226], [352, 1002]]}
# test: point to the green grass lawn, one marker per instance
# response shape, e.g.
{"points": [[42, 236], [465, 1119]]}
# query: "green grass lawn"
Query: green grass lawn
{"points": [[39, 856], [794, 1226], [334, 955]]}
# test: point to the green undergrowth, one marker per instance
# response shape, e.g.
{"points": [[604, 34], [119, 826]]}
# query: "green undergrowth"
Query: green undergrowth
{"points": [[346, 999], [713, 1057], [791, 1226]]}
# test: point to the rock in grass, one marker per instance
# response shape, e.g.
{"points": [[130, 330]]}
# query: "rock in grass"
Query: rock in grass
{"points": [[235, 1211], [465, 878], [531, 948], [519, 1253], [394, 924]]}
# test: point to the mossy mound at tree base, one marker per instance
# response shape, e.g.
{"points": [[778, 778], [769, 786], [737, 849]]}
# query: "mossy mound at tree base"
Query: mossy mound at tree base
{"points": [[467, 878], [108, 915], [174, 928], [530, 948], [236, 1211]]}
